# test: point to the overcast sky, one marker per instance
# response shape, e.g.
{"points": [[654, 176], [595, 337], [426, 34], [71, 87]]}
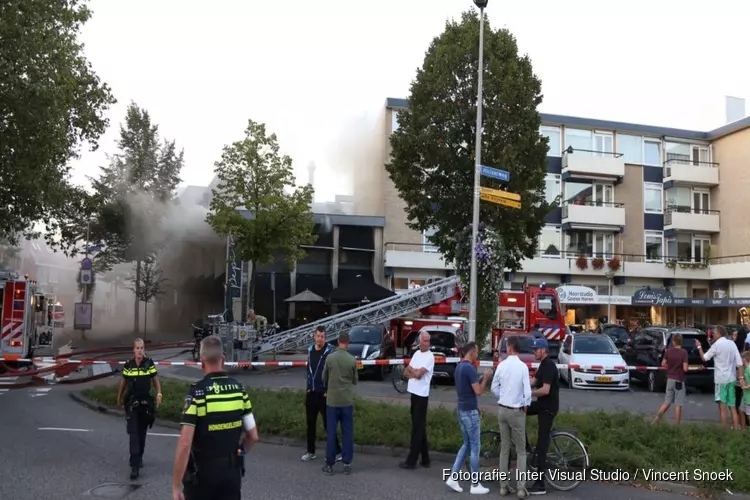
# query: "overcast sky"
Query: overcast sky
{"points": [[318, 72]]}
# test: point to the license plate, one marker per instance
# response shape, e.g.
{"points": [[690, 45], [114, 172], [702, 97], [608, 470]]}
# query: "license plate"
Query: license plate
{"points": [[602, 379], [360, 366]]}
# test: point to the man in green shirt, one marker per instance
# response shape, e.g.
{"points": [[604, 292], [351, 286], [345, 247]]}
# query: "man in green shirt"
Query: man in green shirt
{"points": [[340, 375]]}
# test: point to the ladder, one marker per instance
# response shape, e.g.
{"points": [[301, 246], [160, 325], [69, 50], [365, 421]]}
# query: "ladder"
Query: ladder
{"points": [[376, 313]]}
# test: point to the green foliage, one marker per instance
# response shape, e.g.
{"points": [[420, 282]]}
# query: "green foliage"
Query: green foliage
{"points": [[614, 441], [253, 175], [131, 194], [51, 102], [432, 163], [148, 283]]}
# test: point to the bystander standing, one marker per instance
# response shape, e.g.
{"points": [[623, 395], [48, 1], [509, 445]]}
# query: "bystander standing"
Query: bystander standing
{"points": [[468, 388], [727, 370], [512, 386], [675, 362], [419, 372]]}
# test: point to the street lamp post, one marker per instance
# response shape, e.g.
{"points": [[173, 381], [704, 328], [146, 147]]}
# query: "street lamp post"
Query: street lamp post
{"points": [[477, 175], [609, 276]]}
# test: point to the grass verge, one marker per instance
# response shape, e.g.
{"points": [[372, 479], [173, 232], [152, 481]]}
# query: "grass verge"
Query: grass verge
{"points": [[615, 441]]}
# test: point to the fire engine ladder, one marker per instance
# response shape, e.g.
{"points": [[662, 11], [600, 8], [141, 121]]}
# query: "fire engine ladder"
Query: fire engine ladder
{"points": [[376, 313], [17, 306]]}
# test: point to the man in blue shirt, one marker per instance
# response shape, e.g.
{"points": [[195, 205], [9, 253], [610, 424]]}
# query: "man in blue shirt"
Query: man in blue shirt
{"points": [[467, 390]]}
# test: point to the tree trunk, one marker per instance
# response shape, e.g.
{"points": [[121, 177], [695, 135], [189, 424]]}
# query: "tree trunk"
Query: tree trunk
{"points": [[137, 292], [145, 320]]}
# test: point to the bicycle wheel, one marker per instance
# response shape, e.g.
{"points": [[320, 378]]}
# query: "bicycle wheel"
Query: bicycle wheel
{"points": [[400, 382], [568, 458], [490, 446]]}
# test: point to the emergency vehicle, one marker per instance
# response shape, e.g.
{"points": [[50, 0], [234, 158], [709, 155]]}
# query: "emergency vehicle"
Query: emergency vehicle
{"points": [[519, 312], [533, 308], [17, 315]]}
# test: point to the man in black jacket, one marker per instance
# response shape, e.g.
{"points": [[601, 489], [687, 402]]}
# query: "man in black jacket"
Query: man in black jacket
{"points": [[545, 387], [315, 399]]}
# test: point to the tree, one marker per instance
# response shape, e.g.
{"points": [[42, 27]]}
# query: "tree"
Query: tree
{"points": [[432, 163], [253, 175], [131, 197], [51, 103], [147, 283]]}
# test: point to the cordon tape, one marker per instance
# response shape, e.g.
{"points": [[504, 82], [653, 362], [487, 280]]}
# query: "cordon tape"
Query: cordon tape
{"points": [[366, 362]]}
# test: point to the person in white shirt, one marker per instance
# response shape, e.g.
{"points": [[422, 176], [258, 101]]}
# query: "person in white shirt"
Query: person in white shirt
{"points": [[727, 370], [419, 372], [512, 386]]}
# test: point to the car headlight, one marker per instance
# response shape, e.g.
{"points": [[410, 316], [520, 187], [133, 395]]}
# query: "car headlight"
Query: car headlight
{"points": [[374, 355]]}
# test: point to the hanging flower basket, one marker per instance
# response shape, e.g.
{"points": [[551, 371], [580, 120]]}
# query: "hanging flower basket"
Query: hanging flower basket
{"points": [[582, 262], [614, 264], [597, 263]]}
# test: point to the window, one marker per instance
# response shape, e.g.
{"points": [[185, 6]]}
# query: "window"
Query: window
{"points": [[679, 199], [589, 243], [550, 241], [680, 248], [631, 148], [552, 189], [701, 156], [653, 197], [701, 201], [582, 193], [654, 246], [603, 144], [701, 248], [402, 284], [604, 194], [554, 136], [394, 120], [652, 152], [426, 241], [578, 140]]}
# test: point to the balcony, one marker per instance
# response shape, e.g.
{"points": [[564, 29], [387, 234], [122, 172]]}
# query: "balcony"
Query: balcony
{"points": [[678, 172], [587, 164], [414, 256], [689, 220], [594, 215]]}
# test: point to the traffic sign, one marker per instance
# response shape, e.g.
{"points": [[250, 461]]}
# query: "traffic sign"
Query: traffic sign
{"points": [[86, 277], [495, 173], [500, 193], [500, 201], [86, 264]]}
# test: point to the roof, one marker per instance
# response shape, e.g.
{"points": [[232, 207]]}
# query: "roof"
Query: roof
{"points": [[652, 130]]}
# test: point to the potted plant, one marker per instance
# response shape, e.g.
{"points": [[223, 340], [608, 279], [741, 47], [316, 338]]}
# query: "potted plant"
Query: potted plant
{"points": [[582, 263], [671, 263], [597, 263], [614, 264]]}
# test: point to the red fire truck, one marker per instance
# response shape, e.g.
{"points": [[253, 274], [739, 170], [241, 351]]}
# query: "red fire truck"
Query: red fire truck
{"points": [[522, 311], [17, 315], [533, 308]]}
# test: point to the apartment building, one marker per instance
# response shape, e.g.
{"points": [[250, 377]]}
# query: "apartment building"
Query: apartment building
{"points": [[638, 206]]}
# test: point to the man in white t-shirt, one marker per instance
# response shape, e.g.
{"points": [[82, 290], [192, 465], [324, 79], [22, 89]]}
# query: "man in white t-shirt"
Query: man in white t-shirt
{"points": [[727, 371], [419, 372]]}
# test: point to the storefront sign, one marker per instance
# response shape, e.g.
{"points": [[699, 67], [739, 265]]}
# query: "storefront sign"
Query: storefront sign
{"points": [[662, 297], [574, 294]]}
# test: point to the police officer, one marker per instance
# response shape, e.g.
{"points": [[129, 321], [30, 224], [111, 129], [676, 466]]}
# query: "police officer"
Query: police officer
{"points": [[217, 409], [137, 376]]}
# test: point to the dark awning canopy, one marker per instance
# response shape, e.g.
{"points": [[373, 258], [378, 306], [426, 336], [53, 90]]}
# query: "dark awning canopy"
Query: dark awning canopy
{"points": [[358, 290]]}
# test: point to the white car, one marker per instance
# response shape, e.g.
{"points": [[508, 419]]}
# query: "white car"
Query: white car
{"points": [[593, 363]]}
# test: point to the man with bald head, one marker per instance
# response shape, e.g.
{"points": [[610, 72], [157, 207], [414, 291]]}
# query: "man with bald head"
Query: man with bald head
{"points": [[419, 372]]}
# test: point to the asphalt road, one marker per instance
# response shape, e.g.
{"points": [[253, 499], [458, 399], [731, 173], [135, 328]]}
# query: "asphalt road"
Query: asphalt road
{"points": [[54, 448], [699, 406]]}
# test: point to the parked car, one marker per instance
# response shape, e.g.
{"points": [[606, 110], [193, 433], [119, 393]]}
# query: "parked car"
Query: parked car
{"points": [[647, 350], [619, 335], [371, 342], [445, 342], [589, 350]]}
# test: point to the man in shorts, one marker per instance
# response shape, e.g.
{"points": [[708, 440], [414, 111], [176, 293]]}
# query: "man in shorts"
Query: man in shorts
{"points": [[727, 371], [676, 363]]}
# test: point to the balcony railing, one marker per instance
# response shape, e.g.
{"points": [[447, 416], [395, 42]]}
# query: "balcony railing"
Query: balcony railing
{"points": [[685, 171], [698, 224], [570, 150], [589, 203]]}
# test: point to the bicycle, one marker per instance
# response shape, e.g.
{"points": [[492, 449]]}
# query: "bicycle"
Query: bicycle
{"points": [[401, 383], [560, 439]]}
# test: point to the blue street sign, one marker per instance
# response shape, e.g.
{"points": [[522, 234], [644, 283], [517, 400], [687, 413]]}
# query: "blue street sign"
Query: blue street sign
{"points": [[86, 264], [495, 173]]}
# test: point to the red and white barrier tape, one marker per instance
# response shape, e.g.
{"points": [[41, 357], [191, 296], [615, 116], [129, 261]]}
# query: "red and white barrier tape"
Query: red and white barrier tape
{"points": [[367, 362]]}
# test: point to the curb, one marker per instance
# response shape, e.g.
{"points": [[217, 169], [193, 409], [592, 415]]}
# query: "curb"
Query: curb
{"points": [[397, 452]]}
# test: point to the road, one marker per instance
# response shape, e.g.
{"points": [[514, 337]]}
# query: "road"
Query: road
{"points": [[699, 406], [54, 448]]}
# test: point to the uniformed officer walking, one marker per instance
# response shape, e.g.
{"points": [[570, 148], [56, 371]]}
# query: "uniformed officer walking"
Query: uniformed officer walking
{"points": [[135, 391], [217, 409]]}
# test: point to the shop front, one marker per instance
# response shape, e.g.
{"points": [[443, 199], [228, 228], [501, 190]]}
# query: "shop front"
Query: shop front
{"points": [[666, 309], [585, 309]]}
